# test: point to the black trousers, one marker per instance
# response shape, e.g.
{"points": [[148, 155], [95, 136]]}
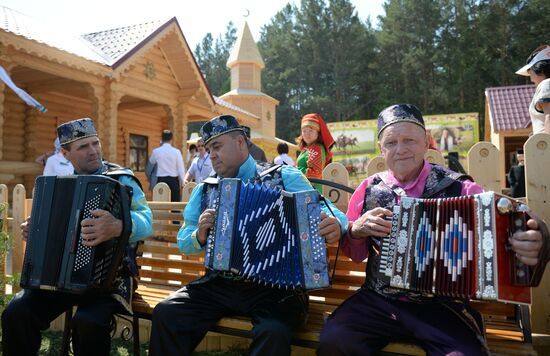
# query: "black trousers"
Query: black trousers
{"points": [[181, 321], [33, 310], [174, 184]]}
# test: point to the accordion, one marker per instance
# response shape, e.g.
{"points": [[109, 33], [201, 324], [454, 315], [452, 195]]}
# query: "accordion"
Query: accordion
{"points": [[55, 258], [267, 235], [457, 248]]}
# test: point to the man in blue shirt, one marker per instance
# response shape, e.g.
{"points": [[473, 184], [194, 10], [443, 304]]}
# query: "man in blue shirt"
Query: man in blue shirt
{"points": [[32, 310], [181, 321], [201, 167]]}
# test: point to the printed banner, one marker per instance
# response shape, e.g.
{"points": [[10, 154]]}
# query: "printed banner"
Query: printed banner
{"points": [[356, 141]]}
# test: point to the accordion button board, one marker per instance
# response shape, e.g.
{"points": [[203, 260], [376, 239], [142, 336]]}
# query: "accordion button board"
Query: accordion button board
{"points": [[55, 257], [268, 235]]}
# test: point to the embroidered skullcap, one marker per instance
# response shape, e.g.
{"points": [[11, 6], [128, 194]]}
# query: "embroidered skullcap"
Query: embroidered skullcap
{"points": [[246, 130], [218, 126], [76, 130], [311, 120], [399, 113]]}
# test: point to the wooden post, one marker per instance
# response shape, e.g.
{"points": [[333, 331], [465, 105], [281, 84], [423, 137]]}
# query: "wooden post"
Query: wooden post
{"points": [[161, 192], [2, 116], [4, 228], [337, 173], [537, 188], [434, 156], [376, 165], [484, 165], [187, 190], [19, 213], [3, 194]]}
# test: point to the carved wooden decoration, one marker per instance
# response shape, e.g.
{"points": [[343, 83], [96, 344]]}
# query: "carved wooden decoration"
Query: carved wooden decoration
{"points": [[150, 71]]}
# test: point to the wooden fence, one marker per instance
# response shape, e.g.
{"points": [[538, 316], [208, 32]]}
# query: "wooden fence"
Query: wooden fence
{"points": [[482, 164]]}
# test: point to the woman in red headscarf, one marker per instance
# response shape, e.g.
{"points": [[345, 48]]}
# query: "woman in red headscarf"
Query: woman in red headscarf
{"points": [[315, 142]]}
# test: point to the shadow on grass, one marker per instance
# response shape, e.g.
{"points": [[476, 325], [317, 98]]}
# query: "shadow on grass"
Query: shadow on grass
{"points": [[51, 345]]}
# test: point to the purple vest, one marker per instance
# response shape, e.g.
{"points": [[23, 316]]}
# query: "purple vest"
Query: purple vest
{"points": [[441, 183]]}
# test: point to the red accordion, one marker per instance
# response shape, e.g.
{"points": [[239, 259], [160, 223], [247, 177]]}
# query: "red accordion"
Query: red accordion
{"points": [[457, 248]]}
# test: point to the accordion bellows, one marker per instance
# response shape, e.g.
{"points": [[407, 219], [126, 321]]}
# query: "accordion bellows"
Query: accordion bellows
{"points": [[55, 258], [268, 235], [457, 248]]}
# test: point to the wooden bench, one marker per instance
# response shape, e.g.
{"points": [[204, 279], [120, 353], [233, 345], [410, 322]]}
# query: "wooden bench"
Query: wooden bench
{"points": [[163, 269]]}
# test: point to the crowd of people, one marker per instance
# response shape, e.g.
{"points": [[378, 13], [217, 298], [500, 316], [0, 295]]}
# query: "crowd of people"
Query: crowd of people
{"points": [[362, 325], [164, 164]]}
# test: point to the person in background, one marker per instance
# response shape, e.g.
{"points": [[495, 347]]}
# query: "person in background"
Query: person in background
{"points": [[180, 322], [32, 310], [170, 168], [315, 143], [283, 157], [191, 154], [201, 167], [516, 177], [538, 69], [377, 314], [43, 158], [447, 141], [151, 174], [256, 152], [432, 145], [57, 164]]}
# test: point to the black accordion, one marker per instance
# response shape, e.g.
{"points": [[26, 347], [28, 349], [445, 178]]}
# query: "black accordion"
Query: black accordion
{"points": [[55, 258], [457, 248], [268, 236]]}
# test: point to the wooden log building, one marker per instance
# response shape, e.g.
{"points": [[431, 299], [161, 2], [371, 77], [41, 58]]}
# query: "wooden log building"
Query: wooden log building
{"points": [[507, 122], [133, 81]]}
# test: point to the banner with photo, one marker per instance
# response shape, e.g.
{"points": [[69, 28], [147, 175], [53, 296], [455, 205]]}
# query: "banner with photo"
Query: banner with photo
{"points": [[356, 141]]}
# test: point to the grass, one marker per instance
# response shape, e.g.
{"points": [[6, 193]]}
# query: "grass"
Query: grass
{"points": [[51, 345]]}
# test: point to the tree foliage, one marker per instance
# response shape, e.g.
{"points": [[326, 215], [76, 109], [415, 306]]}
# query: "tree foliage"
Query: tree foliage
{"points": [[212, 57], [440, 55]]}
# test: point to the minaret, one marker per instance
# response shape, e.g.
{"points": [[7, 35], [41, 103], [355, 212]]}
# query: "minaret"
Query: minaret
{"points": [[246, 64]]}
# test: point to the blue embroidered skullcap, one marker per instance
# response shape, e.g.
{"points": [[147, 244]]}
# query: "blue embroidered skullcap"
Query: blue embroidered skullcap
{"points": [[75, 130], [399, 113], [218, 126]]}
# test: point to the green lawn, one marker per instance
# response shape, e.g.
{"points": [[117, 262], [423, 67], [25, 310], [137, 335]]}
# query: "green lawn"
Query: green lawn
{"points": [[51, 345]]}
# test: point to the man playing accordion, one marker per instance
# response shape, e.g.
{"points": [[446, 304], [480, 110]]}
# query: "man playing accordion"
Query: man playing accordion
{"points": [[375, 315], [181, 321], [32, 310]]}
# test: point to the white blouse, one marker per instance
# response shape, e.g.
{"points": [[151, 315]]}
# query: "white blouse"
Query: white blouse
{"points": [[542, 94]]}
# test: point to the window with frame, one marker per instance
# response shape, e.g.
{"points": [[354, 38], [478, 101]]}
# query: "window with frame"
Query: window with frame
{"points": [[138, 152]]}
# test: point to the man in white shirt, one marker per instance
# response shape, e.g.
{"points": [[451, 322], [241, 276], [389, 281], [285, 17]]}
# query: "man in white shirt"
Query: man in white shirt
{"points": [[201, 167], [170, 168], [57, 164], [283, 157]]}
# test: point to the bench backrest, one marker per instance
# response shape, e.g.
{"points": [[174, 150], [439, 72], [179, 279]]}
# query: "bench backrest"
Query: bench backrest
{"points": [[160, 262]]}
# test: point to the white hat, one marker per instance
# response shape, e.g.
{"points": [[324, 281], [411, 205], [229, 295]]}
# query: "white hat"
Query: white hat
{"points": [[544, 54]]}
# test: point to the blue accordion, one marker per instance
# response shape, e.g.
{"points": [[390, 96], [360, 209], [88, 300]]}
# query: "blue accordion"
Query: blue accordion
{"points": [[268, 235]]}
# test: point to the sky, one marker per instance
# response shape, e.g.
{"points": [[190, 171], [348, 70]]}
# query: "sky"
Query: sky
{"points": [[196, 17]]}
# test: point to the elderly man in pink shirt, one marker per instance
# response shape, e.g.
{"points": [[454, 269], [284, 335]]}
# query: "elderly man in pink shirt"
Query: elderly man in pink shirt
{"points": [[376, 315]]}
